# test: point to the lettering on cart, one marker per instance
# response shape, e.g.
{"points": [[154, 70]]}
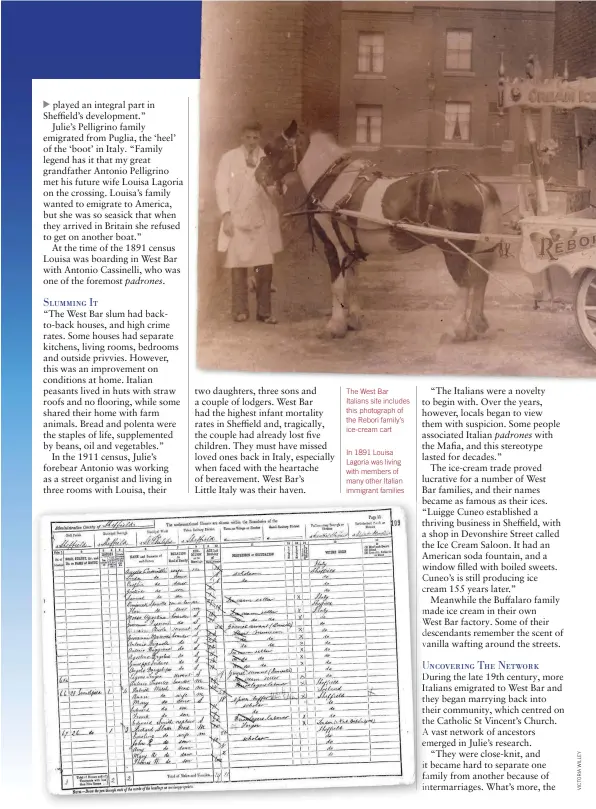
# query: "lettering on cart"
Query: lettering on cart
{"points": [[561, 243]]}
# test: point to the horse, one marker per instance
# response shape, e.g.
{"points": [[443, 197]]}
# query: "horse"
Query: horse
{"points": [[447, 198]]}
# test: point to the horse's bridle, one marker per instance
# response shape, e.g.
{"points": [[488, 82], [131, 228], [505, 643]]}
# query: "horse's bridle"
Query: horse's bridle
{"points": [[291, 142], [339, 162]]}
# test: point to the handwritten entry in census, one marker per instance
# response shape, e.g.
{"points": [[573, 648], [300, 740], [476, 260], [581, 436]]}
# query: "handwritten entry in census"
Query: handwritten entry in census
{"points": [[230, 651]]}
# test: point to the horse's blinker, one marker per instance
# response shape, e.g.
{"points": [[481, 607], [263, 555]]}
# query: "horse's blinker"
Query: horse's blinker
{"points": [[291, 142]]}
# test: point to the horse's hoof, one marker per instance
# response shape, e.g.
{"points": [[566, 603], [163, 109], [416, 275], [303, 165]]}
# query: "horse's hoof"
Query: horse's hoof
{"points": [[336, 330], [481, 325], [324, 335], [327, 334], [464, 334], [354, 322]]}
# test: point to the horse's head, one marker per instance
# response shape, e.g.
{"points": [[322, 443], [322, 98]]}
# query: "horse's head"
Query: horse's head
{"points": [[282, 155]]}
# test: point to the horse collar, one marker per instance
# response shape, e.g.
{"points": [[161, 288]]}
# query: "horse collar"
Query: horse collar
{"points": [[330, 173]]}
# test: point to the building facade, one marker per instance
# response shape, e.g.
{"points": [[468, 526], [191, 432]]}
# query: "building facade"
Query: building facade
{"points": [[575, 43], [419, 81]]}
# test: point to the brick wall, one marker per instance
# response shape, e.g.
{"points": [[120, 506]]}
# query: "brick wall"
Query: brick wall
{"points": [[575, 41], [321, 59], [251, 67]]}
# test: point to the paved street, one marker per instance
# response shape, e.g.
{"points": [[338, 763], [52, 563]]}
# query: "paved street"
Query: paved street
{"points": [[406, 308]]}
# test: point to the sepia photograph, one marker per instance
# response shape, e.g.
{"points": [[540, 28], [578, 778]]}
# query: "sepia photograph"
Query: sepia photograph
{"points": [[398, 187]]}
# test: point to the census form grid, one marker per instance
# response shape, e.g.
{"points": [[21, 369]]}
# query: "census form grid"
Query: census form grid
{"points": [[298, 544]]}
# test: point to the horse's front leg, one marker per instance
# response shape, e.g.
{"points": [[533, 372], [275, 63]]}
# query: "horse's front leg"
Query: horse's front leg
{"points": [[338, 324], [478, 319], [462, 329], [353, 302], [479, 280]]}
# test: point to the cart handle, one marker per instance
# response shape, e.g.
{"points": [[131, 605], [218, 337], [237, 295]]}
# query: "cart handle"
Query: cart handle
{"points": [[423, 230]]}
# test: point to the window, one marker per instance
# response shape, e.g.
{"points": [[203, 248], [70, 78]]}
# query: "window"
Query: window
{"points": [[369, 124], [459, 50], [371, 53], [457, 121]]}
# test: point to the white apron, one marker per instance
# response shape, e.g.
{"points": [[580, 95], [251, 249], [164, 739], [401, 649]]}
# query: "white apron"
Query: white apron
{"points": [[257, 235]]}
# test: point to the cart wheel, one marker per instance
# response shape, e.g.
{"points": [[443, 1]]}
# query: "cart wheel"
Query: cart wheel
{"points": [[585, 307]]}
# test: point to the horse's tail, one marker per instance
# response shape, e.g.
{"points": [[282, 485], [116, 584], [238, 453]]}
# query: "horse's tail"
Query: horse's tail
{"points": [[492, 196]]}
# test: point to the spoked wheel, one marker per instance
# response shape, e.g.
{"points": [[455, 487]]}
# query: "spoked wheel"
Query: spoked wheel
{"points": [[585, 307]]}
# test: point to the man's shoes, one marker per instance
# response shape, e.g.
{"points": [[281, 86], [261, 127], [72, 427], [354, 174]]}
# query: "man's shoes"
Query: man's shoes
{"points": [[269, 320]]}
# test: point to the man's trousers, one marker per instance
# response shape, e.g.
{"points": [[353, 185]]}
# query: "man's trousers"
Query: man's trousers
{"points": [[263, 276]]}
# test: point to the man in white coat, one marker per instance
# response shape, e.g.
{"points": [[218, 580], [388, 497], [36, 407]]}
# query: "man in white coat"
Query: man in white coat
{"points": [[249, 233]]}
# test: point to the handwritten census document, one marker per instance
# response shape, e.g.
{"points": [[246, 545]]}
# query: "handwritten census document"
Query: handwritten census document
{"points": [[227, 651]]}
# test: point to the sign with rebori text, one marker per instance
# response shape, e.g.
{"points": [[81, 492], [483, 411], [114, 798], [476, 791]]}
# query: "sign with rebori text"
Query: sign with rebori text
{"points": [[568, 241]]}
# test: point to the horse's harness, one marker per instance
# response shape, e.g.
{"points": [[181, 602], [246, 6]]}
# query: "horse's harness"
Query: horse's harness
{"points": [[291, 143], [435, 196], [317, 192], [365, 177]]}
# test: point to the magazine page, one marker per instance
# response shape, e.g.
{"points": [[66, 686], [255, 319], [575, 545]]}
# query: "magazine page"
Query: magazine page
{"points": [[313, 354]]}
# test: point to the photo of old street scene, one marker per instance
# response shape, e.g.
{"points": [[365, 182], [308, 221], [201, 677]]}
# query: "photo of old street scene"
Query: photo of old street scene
{"points": [[401, 188]]}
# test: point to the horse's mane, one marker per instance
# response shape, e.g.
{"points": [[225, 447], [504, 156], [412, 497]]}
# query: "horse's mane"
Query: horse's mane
{"points": [[321, 152], [324, 140]]}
